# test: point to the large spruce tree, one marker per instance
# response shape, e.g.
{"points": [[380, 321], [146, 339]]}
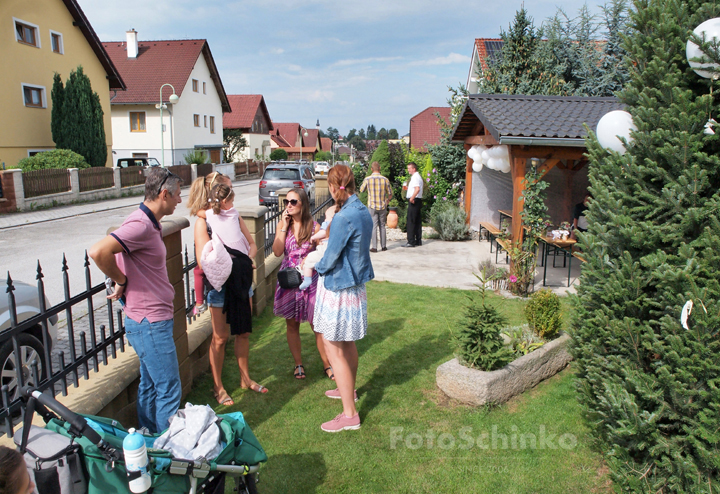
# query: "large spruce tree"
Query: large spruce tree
{"points": [[649, 387], [77, 118]]}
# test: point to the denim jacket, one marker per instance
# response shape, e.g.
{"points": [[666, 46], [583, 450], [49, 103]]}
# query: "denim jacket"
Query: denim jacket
{"points": [[346, 261]]}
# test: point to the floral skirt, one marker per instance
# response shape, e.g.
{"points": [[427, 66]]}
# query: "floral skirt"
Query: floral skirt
{"points": [[341, 315]]}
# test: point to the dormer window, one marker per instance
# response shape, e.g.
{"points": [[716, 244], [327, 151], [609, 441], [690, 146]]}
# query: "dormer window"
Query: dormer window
{"points": [[27, 33]]}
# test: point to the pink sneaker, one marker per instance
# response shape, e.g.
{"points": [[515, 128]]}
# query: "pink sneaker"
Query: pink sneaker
{"points": [[335, 394], [342, 423]]}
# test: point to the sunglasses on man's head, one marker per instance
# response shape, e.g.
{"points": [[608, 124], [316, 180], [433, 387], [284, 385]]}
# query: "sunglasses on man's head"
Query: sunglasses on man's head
{"points": [[167, 175], [293, 202]]}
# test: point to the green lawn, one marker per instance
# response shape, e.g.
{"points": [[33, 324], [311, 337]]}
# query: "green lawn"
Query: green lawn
{"points": [[413, 438]]}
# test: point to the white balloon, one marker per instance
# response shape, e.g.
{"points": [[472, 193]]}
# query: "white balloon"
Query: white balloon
{"points": [[485, 156], [613, 125], [494, 164], [477, 166], [711, 28]]}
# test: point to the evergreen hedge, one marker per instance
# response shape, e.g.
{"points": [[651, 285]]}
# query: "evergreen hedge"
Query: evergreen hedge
{"points": [[649, 387]]}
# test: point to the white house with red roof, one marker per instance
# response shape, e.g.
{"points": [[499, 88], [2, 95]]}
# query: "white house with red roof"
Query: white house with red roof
{"points": [[425, 127], [250, 115], [484, 50], [194, 122]]}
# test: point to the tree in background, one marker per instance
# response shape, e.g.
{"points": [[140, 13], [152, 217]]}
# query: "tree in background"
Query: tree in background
{"points": [[332, 133], [352, 133], [647, 378], [323, 156], [382, 133], [393, 134], [573, 59], [361, 134], [371, 133], [56, 116], [278, 154], [357, 142], [234, 143], [77, 118]]}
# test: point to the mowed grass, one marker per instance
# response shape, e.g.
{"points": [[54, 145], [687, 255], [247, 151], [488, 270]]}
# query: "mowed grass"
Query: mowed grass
{"points": [[413, 438]]}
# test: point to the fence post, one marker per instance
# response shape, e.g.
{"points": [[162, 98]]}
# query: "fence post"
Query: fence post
{"points": [[19, 189], [74, 183], [116, 180], [193, 172], [254, 218]]}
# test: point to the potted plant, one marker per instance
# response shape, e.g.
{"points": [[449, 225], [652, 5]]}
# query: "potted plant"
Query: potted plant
{"points": [[392, 217], [565, 229]]}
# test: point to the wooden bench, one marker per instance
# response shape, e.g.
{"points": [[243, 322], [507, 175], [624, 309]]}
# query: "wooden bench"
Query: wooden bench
{"points": [[579, 255], [505, 244], [492, 230]]}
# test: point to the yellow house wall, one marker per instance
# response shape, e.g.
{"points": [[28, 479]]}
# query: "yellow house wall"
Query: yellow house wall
{"points": [[23, 128]]}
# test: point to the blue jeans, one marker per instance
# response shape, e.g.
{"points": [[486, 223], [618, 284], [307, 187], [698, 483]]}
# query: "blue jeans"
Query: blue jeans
{"points": [[160, 389]]}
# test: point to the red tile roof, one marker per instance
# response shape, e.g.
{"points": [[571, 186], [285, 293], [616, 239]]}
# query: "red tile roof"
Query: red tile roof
{"points": [[289, 131], [424, 127], [487, 47], [325, 144], [280, 141], [114, 78], [312, 138], [160, 62], [244, 108]]}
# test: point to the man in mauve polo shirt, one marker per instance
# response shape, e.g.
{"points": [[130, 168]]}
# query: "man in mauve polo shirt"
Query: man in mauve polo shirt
{"points": [[133, 256]]}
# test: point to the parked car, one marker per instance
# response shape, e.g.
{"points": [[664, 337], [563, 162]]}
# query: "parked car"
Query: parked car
{"points": [[31, 347], [322, 167], [146, 162], [286, 175]]}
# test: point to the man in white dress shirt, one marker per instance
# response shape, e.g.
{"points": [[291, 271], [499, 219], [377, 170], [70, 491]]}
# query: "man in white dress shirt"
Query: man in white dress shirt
{"points": [[414, 216]]}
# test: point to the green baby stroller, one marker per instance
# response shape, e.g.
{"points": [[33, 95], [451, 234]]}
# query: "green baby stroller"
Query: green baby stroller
{"points": [[83, 454]]}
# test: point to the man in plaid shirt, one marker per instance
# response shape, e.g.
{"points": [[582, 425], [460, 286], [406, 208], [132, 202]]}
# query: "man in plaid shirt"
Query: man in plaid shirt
{"points": [[379, 195]]}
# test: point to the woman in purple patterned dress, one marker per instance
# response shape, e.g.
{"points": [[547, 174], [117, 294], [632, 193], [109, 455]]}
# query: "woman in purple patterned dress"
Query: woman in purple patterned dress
{"points": [[292, 239]]}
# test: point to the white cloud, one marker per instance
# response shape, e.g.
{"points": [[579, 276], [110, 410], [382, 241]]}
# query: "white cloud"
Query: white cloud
{"points": [[294, 68], [358, 61], [450, 59], [277, 51]]}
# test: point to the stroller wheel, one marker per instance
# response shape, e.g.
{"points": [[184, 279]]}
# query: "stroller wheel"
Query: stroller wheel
{"points": [[246, 484]]}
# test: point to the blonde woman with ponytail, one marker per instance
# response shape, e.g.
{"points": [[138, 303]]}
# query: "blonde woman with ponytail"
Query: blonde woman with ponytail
{"points": [[341, 301]]}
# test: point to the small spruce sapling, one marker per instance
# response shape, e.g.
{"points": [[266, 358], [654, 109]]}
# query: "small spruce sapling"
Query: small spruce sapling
{"points": [[479, 342]]}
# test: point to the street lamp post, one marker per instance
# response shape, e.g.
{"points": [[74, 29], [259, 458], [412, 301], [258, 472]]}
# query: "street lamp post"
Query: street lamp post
{"points": [[301, 143], [174, 98]]}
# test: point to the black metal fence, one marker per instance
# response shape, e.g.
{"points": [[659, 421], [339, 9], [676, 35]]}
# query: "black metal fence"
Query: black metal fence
{"points": [[26, 347], [35, 352]]}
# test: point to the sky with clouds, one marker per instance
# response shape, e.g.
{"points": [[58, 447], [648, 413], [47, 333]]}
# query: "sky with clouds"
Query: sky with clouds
{"points": [[348, 64]]}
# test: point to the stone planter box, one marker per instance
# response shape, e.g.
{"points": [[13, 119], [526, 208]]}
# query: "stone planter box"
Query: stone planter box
{"points": [[477, 387]]}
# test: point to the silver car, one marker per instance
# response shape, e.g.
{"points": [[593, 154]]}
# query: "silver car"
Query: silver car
{"points": [[286, 175], [30, 342]]}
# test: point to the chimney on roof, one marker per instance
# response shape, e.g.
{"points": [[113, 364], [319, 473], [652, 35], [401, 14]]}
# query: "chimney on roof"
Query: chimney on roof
{"points": [[132, 43]]}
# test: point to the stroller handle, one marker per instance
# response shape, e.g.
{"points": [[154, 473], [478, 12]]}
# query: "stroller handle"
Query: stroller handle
{"points": [[78, 424]]}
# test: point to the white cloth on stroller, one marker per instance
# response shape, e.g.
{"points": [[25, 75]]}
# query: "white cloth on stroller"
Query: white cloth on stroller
{"points": [[193, 434]]}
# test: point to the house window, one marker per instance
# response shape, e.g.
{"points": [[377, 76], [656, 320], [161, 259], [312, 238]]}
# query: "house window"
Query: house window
{"points": [[204, 88], [137, 121], [34, 96], [195, 85], [205, 121], [212, 125], [56, 42], [196, 120], [27, 33]]}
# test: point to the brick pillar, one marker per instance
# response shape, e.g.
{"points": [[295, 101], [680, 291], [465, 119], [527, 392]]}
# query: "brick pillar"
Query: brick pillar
{"points": [[7, 202], [254, 218]]}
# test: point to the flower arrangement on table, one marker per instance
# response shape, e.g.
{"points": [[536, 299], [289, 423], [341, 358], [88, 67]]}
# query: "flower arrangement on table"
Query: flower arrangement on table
{"points": [[563, 231]]}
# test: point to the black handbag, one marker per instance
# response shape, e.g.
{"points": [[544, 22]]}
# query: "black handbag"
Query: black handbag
{"points": [[289, 278]]}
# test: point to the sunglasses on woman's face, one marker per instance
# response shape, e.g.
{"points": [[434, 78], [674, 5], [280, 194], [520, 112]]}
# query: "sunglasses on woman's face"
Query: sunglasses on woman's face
{"points": [[292, 202]]}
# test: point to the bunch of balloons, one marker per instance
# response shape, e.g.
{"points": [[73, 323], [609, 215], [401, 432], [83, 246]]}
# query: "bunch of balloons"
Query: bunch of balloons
{"points": [[495, 158]]}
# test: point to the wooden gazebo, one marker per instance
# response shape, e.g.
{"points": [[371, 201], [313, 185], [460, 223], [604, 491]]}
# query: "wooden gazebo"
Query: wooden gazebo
{"points": [[549, 128]]}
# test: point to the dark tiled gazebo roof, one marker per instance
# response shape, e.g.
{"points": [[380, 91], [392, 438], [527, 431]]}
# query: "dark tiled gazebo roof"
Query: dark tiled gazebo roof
{"points": [[521, 119]]}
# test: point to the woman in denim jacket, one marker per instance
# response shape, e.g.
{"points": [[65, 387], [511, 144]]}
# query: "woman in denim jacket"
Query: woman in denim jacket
{"points": [[341, 302]]}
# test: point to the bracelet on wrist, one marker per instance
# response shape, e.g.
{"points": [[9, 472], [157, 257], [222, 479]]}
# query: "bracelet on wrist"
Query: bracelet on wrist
{"points": [[122, 284], [284, 231]]}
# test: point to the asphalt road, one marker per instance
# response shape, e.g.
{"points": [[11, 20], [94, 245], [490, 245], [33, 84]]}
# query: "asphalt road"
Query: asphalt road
{"points": [[24, 246]]}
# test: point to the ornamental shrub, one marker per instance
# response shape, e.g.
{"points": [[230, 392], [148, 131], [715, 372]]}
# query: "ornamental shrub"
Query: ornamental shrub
{"points": [[196, 156], [479, 343], [57, 158], [449, 221], [278, 154], [543, 314]]}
